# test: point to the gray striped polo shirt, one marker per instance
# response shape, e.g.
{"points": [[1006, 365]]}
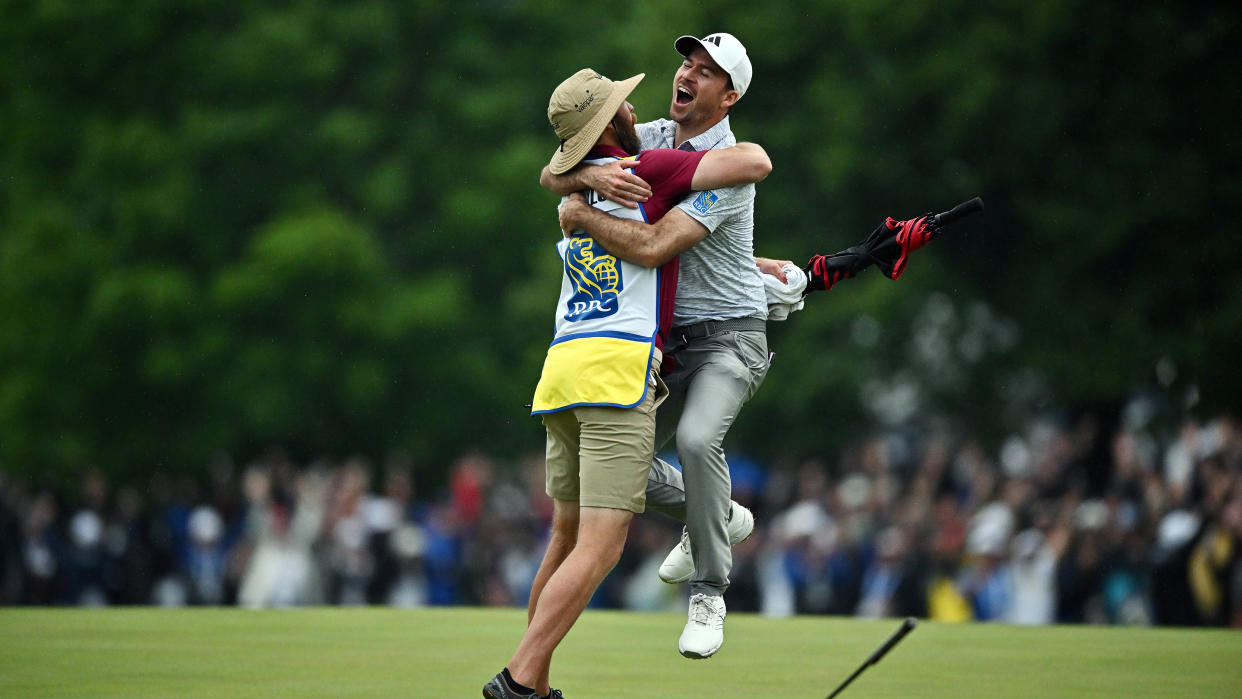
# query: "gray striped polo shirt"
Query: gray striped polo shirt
{"points": [[718, 278]]}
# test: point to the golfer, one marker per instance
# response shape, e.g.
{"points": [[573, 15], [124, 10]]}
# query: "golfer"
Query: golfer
{"points": [[600, 383], [719, 339]]}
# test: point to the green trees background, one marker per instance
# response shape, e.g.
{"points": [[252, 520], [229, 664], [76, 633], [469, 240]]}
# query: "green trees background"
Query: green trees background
{"points": [[226, 225]]}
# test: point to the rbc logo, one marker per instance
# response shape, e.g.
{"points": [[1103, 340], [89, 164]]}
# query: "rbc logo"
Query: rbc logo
{"points": [[704, 201], [595, 278]]}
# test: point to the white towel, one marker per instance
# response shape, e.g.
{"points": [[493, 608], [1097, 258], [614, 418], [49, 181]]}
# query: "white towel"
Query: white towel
{"points": [[786, 298]]}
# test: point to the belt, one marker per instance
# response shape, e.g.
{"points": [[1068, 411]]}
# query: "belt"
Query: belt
{"points": [[685, 333]]}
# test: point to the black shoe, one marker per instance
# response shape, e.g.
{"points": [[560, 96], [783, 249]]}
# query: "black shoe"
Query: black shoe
{"points": [[497, 688]]}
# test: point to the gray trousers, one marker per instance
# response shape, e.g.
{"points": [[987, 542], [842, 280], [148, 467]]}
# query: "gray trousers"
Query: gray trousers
{"points": [[713, 377]]}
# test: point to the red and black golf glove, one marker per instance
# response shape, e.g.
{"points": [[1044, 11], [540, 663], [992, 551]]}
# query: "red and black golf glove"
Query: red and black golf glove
{"points": [[892, 254], [888, 247], [824, 271]]}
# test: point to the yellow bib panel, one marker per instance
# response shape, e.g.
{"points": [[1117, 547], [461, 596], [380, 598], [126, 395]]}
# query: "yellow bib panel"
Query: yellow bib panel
{"points": [[593, 370]]}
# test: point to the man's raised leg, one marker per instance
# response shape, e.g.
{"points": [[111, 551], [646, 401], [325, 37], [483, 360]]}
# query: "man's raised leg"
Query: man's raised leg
{"points": [[666, 490], [722, 376]]}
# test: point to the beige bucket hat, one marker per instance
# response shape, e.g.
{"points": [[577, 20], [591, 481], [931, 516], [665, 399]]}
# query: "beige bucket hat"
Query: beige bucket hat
{"points": [[580, 110]]}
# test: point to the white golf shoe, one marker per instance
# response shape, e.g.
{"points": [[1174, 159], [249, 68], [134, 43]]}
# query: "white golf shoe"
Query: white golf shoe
{"points": [[678, 565], [704, 632]]}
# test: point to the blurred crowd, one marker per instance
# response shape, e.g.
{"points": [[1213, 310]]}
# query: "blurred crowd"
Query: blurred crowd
{"points": [[1072, 520]]}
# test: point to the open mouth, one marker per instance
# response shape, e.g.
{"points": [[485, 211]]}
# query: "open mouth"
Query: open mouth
{"points": [[682, 97]]}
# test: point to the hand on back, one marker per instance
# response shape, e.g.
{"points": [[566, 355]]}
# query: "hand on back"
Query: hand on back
{"points": [[616, 183]]}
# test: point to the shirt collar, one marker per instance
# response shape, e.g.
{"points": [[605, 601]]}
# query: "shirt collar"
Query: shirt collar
{"points": [[707, 140]]}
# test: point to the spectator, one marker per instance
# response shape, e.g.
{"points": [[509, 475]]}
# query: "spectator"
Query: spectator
{"points": [[891, 586], [1033, 599], [284, 523], [42, 552], [1089, 523], [205, 556]]}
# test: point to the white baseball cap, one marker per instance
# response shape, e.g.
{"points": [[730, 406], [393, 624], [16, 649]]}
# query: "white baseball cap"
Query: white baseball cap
{"points": [[726, 51]]}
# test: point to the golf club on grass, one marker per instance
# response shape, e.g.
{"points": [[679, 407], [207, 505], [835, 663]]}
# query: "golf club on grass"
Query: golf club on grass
{"points": [[906, 627]]}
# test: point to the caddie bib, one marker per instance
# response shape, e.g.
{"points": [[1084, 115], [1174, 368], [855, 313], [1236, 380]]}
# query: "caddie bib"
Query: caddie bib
{"points": [[607, 318]]}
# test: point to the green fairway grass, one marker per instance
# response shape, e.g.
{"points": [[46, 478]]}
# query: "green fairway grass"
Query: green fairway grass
{"points": [[452, 652]]}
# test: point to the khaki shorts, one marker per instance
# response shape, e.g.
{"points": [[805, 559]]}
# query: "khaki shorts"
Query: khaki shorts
{"points": [[600, 456]]}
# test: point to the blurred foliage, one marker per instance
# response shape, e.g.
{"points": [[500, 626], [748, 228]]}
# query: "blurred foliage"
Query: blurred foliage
{"points": [[230, 225]]}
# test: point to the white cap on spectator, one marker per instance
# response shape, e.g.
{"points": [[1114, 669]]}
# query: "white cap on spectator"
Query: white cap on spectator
{"points": [[86, 529], [854, 491], [1091, 514], [381, 514], [1176, 529], [990, 530], [408, 541], [205, 525], [808, 519]]}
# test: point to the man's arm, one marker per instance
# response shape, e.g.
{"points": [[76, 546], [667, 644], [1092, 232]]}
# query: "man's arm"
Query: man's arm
{"points": [[646, 244], [613, 181], [651, 245], [745, 163], [775, 268], [742, 164]]}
